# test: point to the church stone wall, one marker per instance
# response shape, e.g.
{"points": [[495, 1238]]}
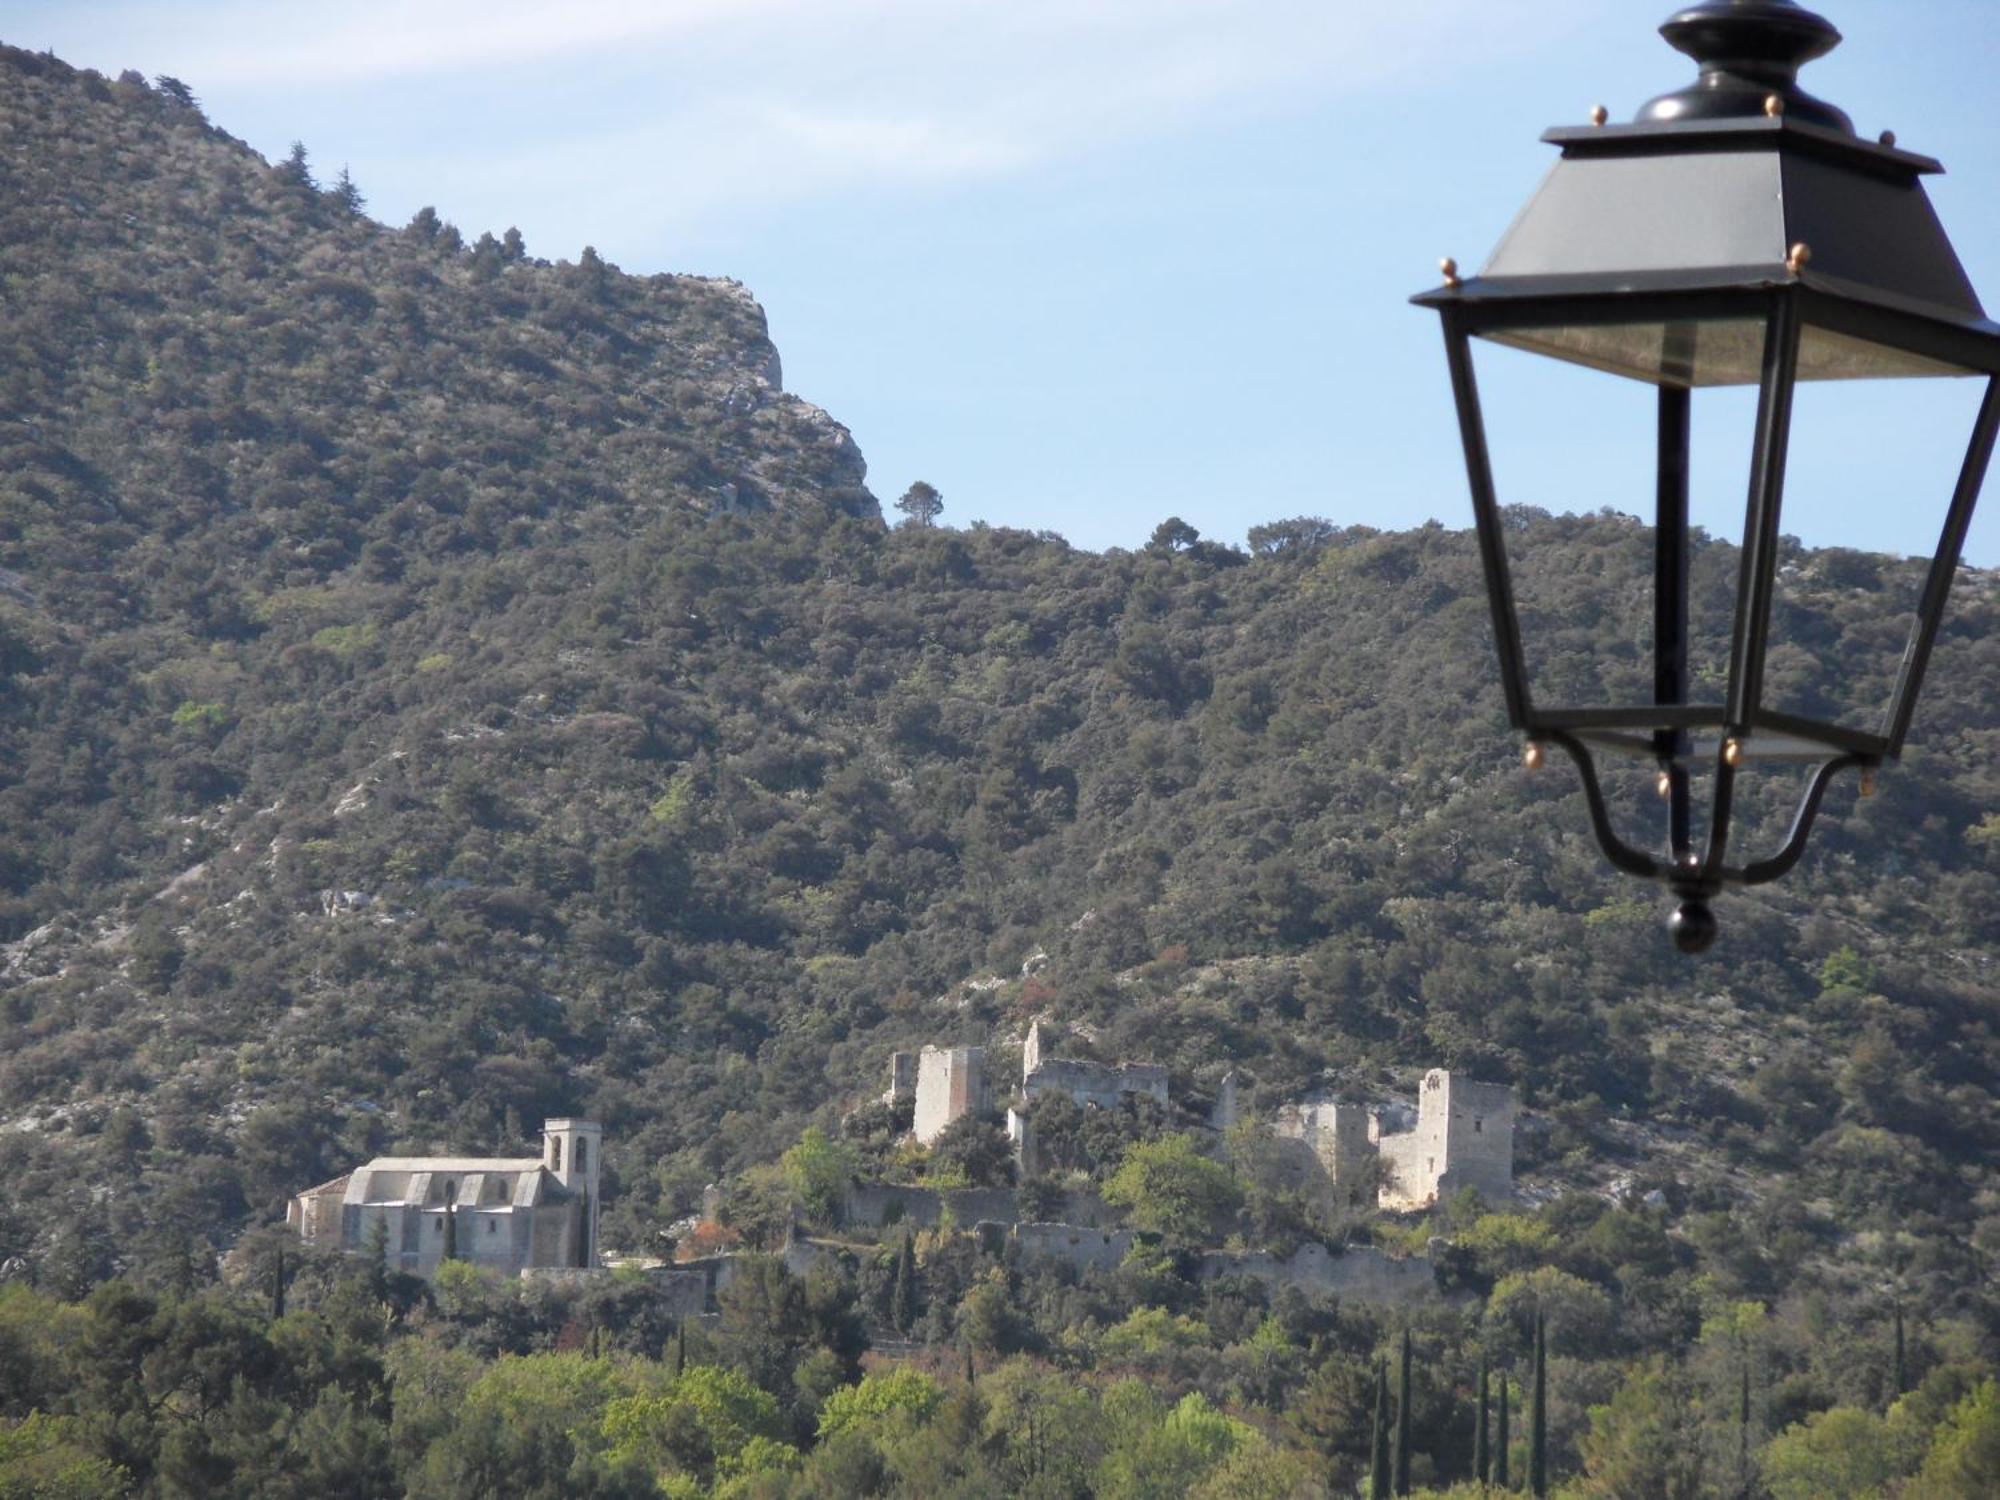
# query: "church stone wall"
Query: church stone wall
{"points": [[315, 1215]]}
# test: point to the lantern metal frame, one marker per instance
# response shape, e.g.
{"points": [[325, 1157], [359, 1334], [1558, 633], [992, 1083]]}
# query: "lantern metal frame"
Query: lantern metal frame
{"points": [[1570, 266]]}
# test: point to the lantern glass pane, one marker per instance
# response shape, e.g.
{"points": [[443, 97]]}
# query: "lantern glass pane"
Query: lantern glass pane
{"points": [[1871, 476], [1717, 352], [1579, 499]]}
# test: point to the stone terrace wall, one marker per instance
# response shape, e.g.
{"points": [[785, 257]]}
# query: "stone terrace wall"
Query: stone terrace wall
{"points": [[875, 1204], [1078, 1245], [1361, 1272]]}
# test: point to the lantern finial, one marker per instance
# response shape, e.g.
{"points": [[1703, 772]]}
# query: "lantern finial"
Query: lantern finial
{"points": [[1750, 52], [1693, 926]]}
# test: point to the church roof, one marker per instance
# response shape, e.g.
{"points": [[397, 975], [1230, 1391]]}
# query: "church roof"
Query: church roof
{"points": [[452, 1164], [486, 1182]]}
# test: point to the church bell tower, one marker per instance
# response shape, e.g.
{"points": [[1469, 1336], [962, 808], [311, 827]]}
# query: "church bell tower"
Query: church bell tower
{"points": [[572, 1152]]}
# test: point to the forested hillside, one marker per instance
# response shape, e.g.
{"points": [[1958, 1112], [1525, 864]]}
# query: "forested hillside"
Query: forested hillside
{"points": [[440, 688]]}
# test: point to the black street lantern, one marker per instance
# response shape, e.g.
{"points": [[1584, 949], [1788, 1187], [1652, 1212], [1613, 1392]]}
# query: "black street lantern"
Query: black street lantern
{"points": [[1738, 232]]}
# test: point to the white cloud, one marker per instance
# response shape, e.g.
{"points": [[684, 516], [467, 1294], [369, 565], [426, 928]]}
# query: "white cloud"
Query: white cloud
{"points": [[761, 102]]}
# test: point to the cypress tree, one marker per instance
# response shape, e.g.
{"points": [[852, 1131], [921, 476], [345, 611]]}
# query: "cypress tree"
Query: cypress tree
{"points": [[1538, 1415], [1378, 1442], [1482, 1459], [1502, 1440], [450, 1231], [680, 1348], [1402, 1475], [903, 1293], [378, 1258], [1901, 1372], [971, 1372], [1743, 1429], [278, 1285]]}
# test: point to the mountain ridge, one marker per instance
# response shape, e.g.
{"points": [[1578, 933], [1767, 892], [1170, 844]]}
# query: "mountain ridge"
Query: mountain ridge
{"points": [[402, 741]]}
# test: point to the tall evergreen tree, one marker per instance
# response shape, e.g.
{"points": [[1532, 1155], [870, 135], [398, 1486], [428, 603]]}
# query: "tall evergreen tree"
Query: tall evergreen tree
{"points": [[278, 1284], [680, 1348], [1378, 1442], [1538, 1414], [1901, 1373], [295, 169], [1482, 1457], [450, 1232], [1743, 1485], [1502, 1438], [1402, 1475], [377, 1258], [903, 1292], [346, 194]]}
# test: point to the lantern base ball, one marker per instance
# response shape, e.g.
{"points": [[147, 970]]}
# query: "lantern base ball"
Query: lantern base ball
{"points": [[1693, 926]]}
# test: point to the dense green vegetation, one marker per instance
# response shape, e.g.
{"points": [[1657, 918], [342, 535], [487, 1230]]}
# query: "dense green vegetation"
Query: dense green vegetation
{"points": [[440, 689], [365, 1384]]}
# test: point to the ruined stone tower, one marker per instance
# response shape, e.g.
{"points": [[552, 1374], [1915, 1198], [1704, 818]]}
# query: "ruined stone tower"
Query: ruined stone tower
{"points": [[951, 1082], [1464, 1138]]}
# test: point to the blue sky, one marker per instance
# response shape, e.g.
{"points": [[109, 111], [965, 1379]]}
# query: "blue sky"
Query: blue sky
{"points": [[1086, 265]]}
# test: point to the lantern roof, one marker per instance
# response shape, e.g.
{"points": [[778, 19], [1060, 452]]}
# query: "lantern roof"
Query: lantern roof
{"points": [[1741, 183]]}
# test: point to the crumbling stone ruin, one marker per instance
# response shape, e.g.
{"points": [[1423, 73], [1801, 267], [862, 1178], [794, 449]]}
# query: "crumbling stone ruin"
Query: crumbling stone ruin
{"points": [[947, 1083], [1462, 1137], [1460, 1134], [1328, 1151], [1098, 1084], [1092, 1085], [902, 1078], [951, 1083]]}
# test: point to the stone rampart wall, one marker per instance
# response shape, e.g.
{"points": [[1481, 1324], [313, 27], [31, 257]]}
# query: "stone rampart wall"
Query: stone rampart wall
{"points": [[1077, 1245], [1361, 1272], [877, 1205]]}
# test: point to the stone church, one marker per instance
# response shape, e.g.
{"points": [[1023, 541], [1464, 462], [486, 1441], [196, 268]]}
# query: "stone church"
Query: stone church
{"points": [[507, 1214]]}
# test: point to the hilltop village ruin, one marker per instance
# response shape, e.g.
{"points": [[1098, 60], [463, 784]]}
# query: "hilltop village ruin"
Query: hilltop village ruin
{"points": [[1459, 1134], [538, 1215]]}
